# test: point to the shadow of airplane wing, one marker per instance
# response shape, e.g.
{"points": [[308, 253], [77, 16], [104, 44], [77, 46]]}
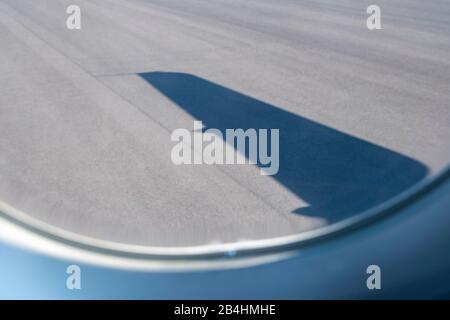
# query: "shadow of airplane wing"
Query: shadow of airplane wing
{"points": [[337, 174]]}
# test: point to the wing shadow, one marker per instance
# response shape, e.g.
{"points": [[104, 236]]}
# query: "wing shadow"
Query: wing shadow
{"points": [[337, 174]]}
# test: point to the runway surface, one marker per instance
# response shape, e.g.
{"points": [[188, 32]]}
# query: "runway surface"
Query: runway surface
{"points": [[86, 115]]}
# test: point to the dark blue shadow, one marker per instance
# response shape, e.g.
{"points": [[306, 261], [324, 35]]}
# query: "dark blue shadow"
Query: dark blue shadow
{"points": [[337, 174]]}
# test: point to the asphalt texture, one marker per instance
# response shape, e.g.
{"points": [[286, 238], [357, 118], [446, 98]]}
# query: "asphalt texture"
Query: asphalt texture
{"points": [[86, 115]]}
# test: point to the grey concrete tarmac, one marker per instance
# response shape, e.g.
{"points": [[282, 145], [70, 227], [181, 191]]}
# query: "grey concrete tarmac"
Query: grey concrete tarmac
{"points": [[86, 115]]}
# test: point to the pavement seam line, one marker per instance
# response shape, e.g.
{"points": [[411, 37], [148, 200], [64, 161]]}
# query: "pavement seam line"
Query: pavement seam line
{"points": [[58, 55]]}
